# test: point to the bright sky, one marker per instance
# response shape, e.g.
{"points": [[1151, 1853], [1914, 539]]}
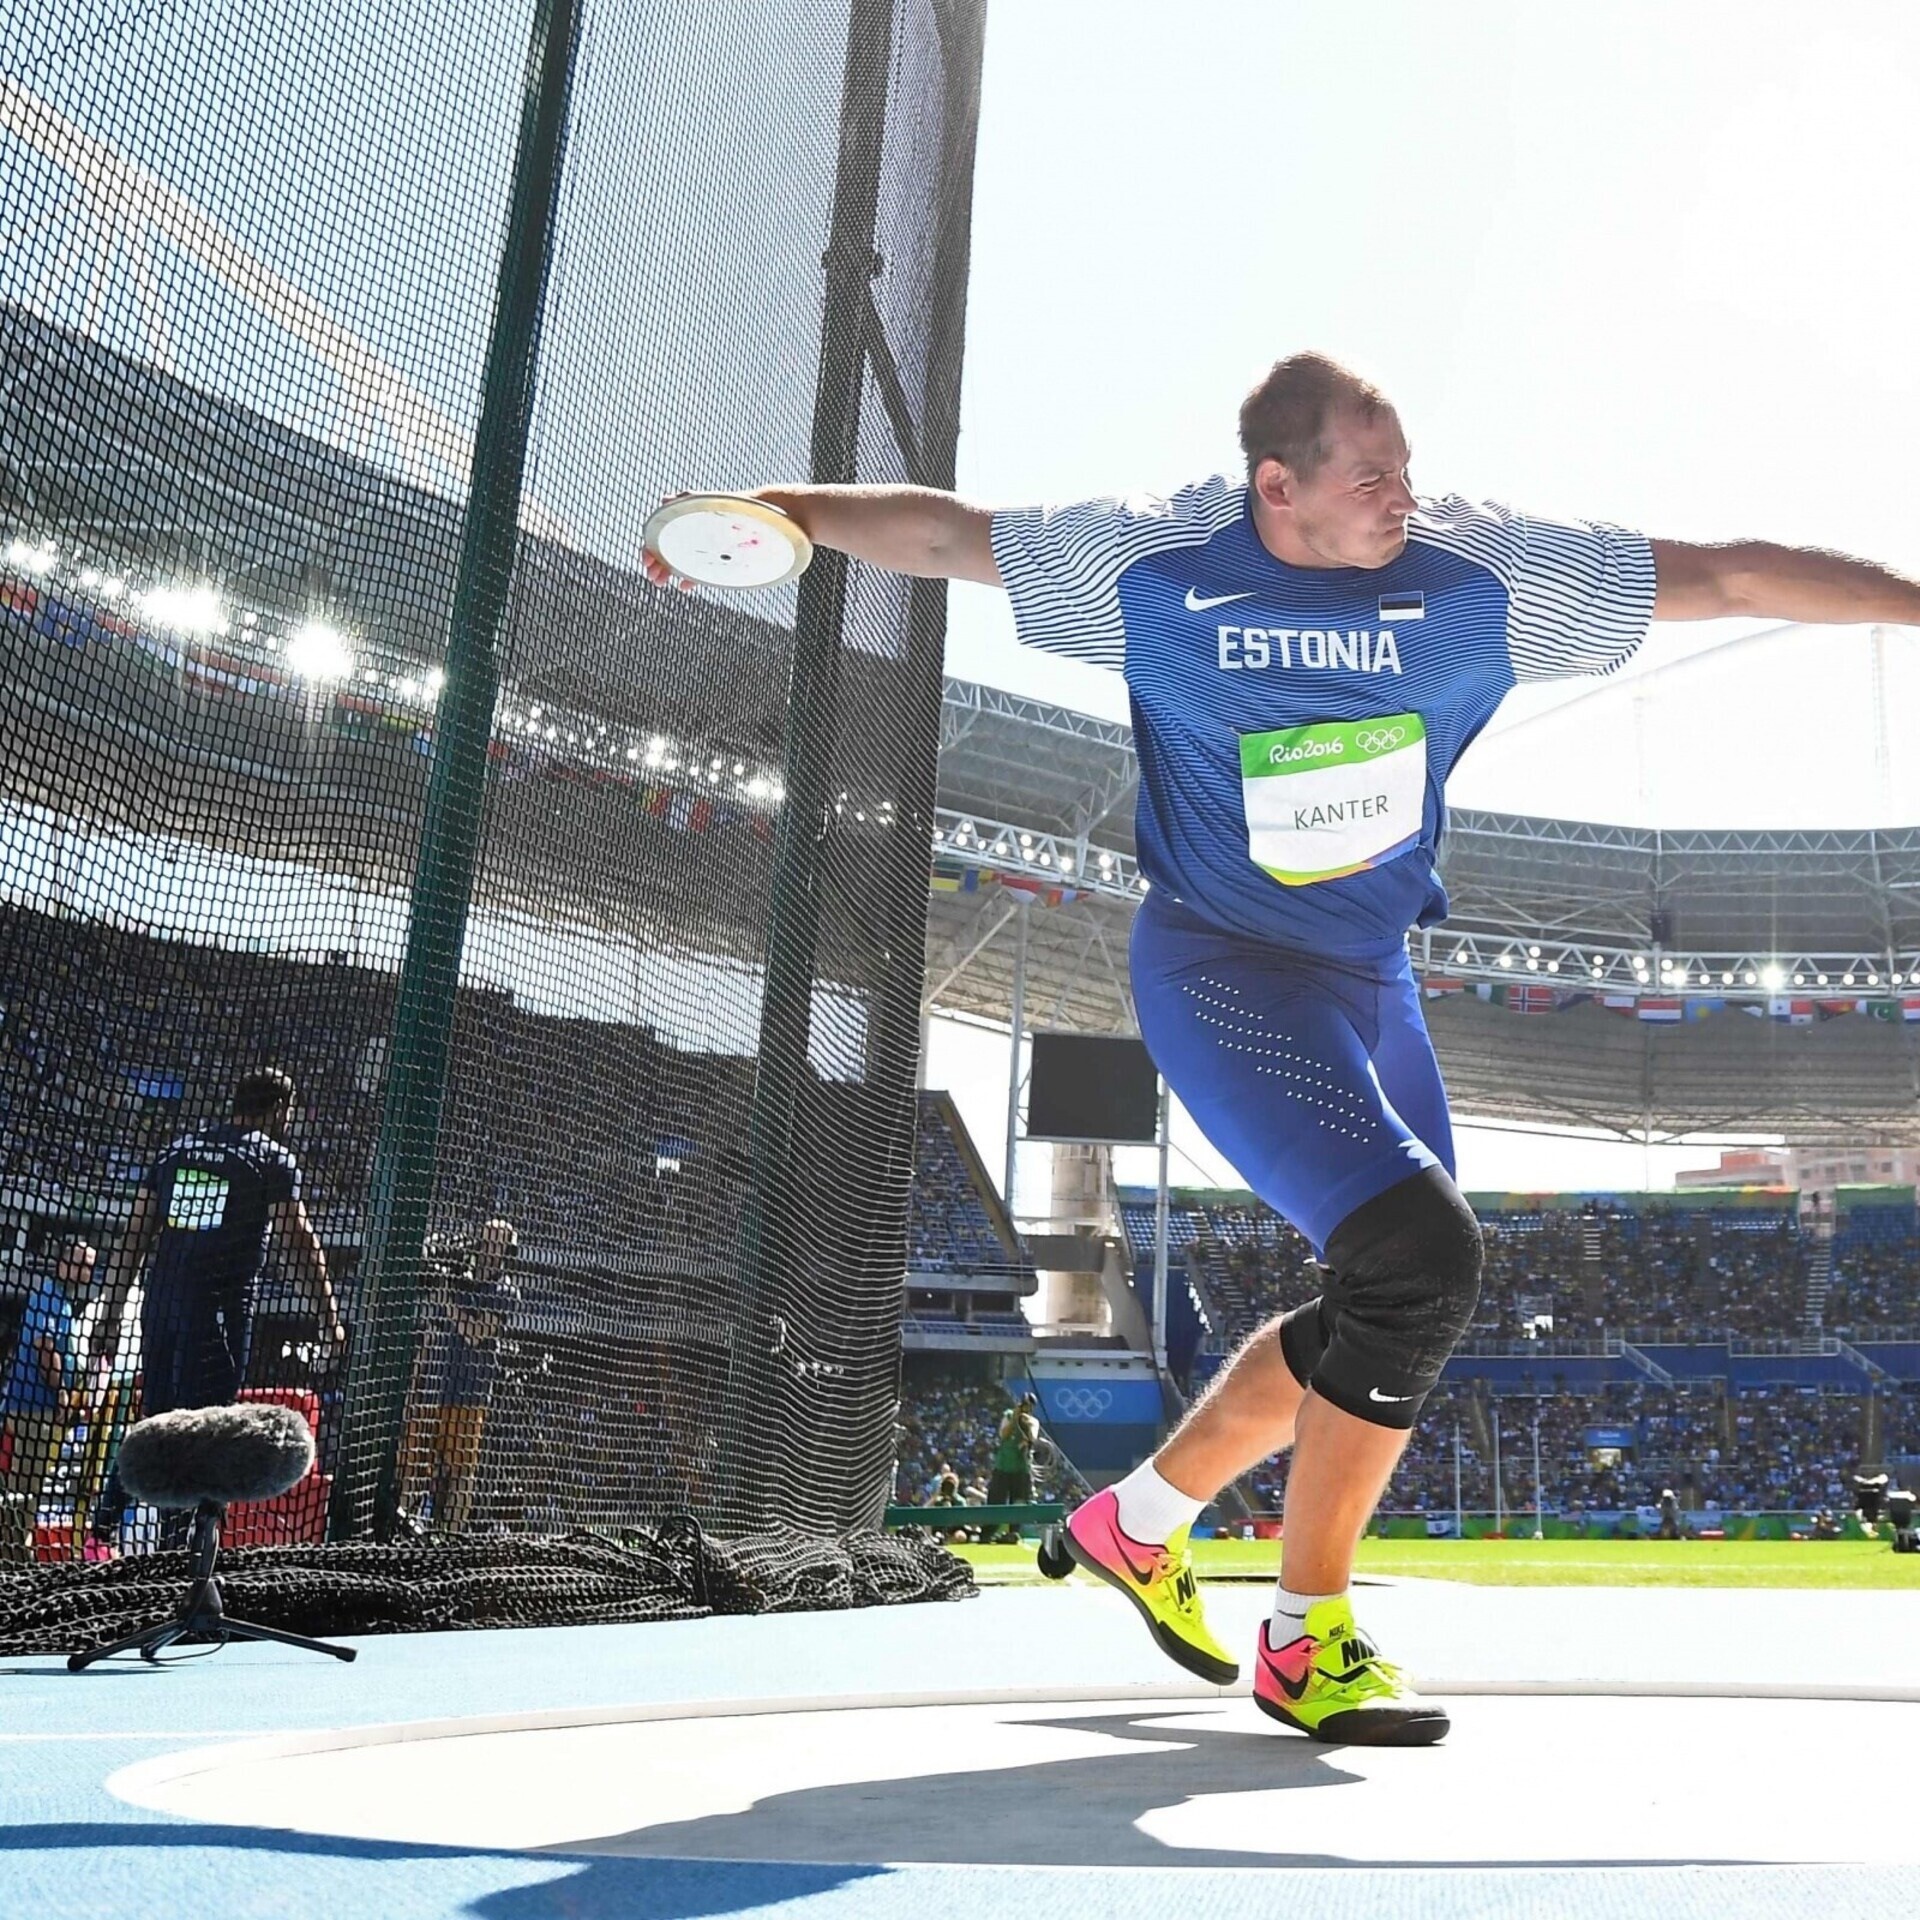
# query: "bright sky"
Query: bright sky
{"points": [[1640, 263]]}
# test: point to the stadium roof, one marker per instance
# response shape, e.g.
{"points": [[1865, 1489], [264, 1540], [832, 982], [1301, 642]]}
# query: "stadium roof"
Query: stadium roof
{"points": [[1770, 922]]}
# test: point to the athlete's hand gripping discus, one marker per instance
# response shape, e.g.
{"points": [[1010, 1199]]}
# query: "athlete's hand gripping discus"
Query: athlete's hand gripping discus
{"points": [[723, 540]]}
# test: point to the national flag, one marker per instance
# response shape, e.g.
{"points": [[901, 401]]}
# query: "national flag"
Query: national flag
{"points": [[1910, 1007], [954, 876], [1881, 1009], [1699, 1006], [680, 809], [1038, 891], [1435, 988], [1402, 606], [1793, 1013], [1665, 1009], [1519, 996], [1619, 1002]]}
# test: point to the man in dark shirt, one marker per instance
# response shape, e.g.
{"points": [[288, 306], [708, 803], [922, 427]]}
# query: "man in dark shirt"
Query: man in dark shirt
{"points": [[205, 1213], [471, 1295]]}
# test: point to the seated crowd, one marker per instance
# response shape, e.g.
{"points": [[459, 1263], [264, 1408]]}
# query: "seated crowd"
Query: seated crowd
{"points": [[111, 1043], [1765, 1449], [1647, 1273], [949, 1229]]}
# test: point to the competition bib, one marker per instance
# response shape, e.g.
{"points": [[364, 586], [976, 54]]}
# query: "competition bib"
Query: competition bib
{"points": [[199, 1202], [1335, 797]]}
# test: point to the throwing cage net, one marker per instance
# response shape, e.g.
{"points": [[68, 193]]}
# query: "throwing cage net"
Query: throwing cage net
{"points": [[342, 356]]}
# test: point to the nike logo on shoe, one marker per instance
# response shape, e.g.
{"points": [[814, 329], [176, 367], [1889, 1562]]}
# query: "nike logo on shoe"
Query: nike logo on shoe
{"points": [[1197, 605], [1374, 1393], [1292, 1665], [1116, 1543]]}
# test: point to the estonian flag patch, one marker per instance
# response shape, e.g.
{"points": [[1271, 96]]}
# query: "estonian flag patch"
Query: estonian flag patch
{"points": [[1403, 606]]}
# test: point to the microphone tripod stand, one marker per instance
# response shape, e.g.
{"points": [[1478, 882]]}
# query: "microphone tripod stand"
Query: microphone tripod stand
{"points": [[203, 1612]]}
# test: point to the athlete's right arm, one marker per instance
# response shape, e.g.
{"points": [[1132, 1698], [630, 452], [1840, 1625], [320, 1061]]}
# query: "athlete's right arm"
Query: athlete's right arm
{"points": [[922, 531]]}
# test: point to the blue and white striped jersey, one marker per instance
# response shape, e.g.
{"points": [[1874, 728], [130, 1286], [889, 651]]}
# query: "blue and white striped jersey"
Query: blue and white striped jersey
{"points": [[1295, 726]]}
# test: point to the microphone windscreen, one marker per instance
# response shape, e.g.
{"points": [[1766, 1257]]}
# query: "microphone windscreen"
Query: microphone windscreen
{"points": [[248, 1452]]}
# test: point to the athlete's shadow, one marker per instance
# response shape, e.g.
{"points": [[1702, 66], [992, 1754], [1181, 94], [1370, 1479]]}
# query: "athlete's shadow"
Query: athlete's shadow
{"points": [[1076, 1812]]}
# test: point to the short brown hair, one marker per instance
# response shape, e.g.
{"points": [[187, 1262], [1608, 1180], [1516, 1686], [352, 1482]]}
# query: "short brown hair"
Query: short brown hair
{"points": [[1285, 417]]}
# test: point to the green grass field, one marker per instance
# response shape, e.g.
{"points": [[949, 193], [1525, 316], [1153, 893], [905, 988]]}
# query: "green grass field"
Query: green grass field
{"points": [[1852, 1564]]}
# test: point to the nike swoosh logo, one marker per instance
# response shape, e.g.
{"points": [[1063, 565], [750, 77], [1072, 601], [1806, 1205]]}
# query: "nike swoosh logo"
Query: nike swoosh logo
{"points": [[1196, 605], [1374, 1393], [1118, 1541], [1302, 1652]]}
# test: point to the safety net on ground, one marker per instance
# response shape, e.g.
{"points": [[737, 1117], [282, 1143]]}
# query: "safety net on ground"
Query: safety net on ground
{"points": [[342, 357]]}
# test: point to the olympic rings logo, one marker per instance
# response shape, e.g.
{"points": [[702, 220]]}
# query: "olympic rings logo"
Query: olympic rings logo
{"points": [[1379, 739], [1081, 1403]]}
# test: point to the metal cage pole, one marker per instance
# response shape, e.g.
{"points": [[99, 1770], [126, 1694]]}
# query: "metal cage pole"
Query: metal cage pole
{"points": [[1539, 1491], [405, 1154], [1160, 1206], [1499, 1492], [767, 1231], [1016, 1032]]}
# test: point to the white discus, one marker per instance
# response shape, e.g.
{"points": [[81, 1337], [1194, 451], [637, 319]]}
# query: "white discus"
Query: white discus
{"points": [[722, 540]]}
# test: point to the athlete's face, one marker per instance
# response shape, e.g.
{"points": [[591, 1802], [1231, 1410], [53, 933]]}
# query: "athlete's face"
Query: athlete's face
{"points": [[1353, 511]]}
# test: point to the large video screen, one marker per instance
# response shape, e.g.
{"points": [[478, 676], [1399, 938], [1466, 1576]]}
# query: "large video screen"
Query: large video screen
{"points": [[1092, 1088]]}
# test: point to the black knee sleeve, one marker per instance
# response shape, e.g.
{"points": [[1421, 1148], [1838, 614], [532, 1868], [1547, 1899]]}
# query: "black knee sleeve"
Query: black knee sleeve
{"points": [[1405, 1275]]}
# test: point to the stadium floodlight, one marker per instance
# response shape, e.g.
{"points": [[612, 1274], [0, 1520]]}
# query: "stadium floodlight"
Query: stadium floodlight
{"points": [[1873, 979], [1506, 959], [1819, 979], [38, 558], [1533, 953], [1773, 977], [1726, 979], [190, 610], [1846, 979], [320, 652], [1553, 966], [89, 577]]}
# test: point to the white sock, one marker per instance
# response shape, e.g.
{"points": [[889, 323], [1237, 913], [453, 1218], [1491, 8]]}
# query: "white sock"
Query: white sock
{"points": [[1151, 1510], [1290, 1614]]}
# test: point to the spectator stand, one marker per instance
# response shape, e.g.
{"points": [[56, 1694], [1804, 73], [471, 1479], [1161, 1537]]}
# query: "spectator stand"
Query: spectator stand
{"points": [[967, 1271]]}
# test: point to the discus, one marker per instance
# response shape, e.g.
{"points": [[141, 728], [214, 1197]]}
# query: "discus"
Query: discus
{"points": [[721, 540]]}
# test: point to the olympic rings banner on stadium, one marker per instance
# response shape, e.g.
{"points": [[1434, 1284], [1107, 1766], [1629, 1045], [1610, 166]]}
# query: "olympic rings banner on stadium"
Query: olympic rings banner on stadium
{"points": [[1126, 1401]]}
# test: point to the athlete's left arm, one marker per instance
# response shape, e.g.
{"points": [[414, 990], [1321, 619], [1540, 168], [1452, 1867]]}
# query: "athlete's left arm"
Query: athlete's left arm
{"points": [[1761, 581], [123, 1266], [295, 1229]]}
